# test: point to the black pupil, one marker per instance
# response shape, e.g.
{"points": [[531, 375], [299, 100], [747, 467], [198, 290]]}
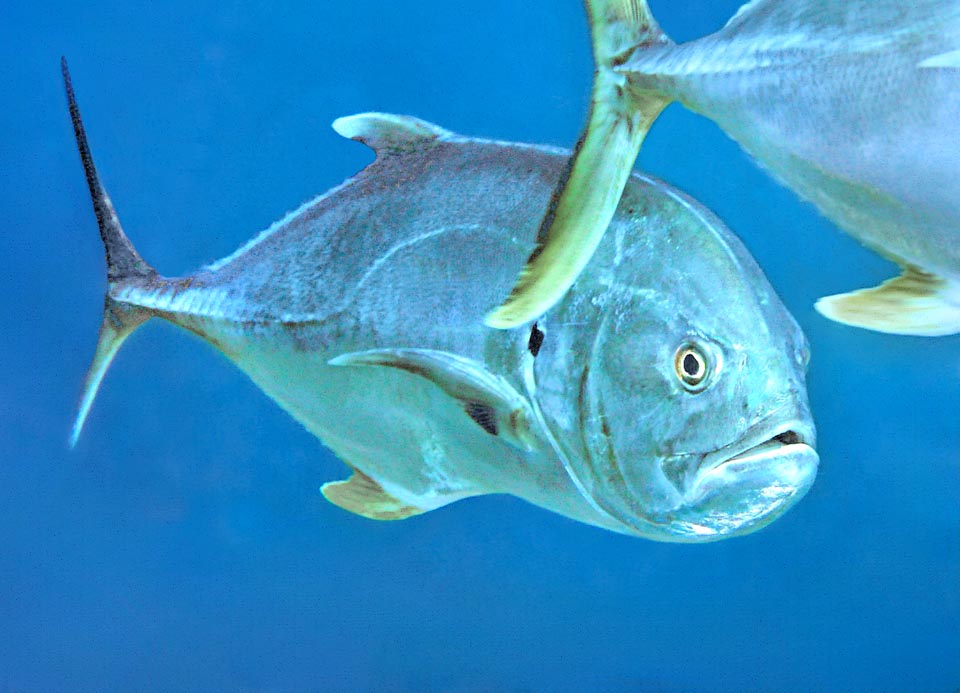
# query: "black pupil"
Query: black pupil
{"points": [[691, 365]]}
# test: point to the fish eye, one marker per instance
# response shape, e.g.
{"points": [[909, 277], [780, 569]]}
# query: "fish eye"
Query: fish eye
{"points": [[692, 367]]}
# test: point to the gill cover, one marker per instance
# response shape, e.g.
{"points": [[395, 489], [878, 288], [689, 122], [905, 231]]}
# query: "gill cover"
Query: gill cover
{"points": [[625, 488]]}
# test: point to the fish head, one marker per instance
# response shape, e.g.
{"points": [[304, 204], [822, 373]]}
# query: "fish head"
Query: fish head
{"points": [[690, 392]]}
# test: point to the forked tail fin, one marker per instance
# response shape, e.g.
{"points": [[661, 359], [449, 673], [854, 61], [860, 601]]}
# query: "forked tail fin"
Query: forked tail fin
{"points": [[119, 322], [587, 196], [124, 267]]}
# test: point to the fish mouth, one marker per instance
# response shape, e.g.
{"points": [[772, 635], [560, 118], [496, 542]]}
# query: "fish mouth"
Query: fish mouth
{"points": [[762, 446], [768, 449], [748, 484]]}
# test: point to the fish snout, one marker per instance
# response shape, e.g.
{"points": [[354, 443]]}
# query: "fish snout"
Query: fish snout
{"points": [[745, 486]]}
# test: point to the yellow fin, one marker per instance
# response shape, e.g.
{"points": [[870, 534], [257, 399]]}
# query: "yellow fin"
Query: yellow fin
{"points": [[915, 303], [619, 26], [362, 495], [587, 196]]}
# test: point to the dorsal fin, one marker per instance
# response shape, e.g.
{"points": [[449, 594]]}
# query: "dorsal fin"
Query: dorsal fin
{"points": [[386, 133]]}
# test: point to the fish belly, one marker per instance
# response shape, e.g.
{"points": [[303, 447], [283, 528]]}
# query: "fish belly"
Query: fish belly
{"points": [[395, 429]]}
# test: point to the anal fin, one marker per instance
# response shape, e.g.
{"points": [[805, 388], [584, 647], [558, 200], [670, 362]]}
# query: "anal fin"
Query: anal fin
{"points": [[363, 496], [915, 303]]}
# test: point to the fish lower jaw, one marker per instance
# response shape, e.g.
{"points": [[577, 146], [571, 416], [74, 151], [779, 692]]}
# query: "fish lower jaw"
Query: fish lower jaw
{"points": [[769, 459], [744, 492]]}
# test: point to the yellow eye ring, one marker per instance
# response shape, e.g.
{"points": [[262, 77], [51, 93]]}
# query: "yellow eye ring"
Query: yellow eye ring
{"points": [[691, 366]]}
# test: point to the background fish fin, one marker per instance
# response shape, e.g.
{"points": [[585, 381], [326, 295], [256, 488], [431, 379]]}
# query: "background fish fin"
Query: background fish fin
{"points": [[388, 134], [362, 495], [489, 400], [587, 196], [617, 27], [915, 303]]}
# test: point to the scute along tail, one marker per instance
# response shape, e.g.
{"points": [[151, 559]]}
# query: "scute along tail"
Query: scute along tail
{"points": [[124, 267], [586, 198]]}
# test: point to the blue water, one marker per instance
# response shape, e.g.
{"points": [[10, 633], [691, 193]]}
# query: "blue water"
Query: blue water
{"points": [[184, 544]]}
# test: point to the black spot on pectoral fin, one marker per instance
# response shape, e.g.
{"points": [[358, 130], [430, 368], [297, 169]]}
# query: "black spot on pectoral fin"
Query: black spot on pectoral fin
{"points": [[484, 415], [488, 399], [536, 340]]}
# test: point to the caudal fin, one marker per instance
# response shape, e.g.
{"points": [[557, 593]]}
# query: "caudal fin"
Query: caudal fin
{"points": [[586, 198], [124, 267]]}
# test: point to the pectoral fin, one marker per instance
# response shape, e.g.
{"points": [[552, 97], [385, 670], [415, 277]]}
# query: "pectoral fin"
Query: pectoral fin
{"points": [[362, 495], [915, 303], [489, 400], [587, 197]]}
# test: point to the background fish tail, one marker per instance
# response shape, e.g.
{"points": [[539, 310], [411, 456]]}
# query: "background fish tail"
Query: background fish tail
{"points": [[125, 268], [587, 196]]}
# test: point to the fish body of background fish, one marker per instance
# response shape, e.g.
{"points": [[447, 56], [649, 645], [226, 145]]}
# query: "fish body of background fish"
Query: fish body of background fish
{"points": [[855, 105], [411, 252]]}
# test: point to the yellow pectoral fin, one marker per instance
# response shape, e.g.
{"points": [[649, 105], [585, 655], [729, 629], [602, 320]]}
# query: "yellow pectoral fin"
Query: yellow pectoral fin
{"points": [[362, 495], [915, 303]]}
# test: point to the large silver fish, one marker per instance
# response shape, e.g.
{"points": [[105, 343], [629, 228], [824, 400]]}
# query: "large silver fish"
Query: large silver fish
{"points": [[663, 397], [854, 104]]}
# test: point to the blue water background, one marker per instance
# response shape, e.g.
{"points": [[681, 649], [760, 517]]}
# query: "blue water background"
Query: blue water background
{"points": [[184, 544]]}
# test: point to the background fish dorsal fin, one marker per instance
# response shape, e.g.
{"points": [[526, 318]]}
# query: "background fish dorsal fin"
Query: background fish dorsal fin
{"points": [[386, 133], [363, 496]]}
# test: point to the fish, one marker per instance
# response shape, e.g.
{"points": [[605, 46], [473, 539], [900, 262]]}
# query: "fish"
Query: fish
{"points": [[664, 397], [853, 104]]}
